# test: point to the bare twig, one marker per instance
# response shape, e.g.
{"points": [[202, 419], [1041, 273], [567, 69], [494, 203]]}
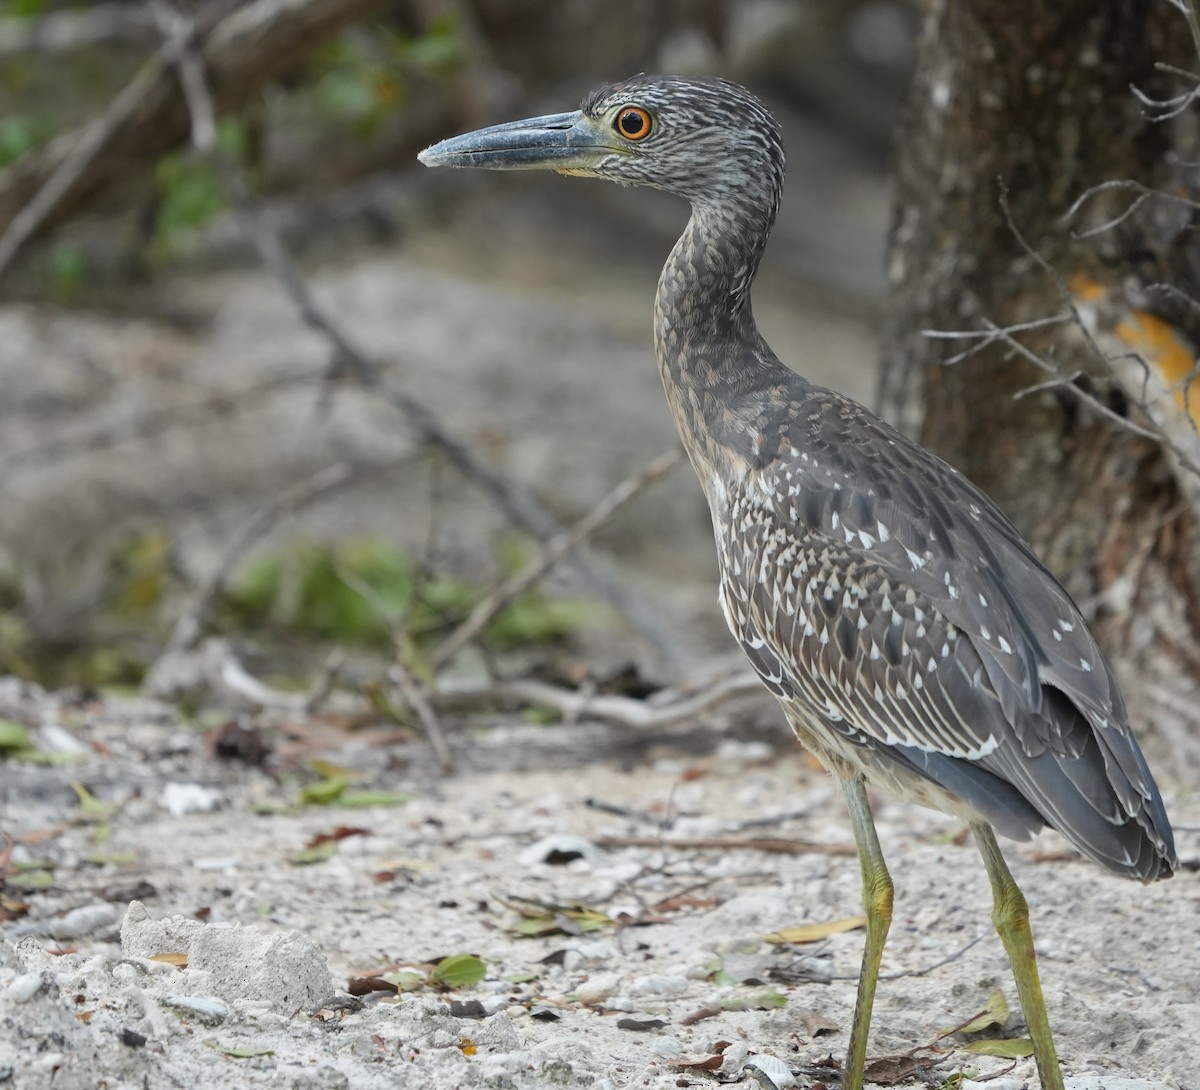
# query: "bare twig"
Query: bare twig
{"points": [[414, 696], [775, 844], [517, 504], [193, 621], [621, 710], [555, 550]]}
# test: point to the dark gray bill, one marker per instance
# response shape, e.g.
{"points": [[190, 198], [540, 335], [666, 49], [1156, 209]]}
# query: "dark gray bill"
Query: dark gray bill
{"points": [[555, 142]]}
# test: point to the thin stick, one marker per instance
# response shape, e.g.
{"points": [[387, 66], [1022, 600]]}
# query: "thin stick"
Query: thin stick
{"points": [[193, 621], [621, 710], [775, 844], [414, 697], [554, 551]]}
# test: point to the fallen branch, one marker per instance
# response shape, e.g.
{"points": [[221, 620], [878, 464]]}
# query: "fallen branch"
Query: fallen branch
{"points": [[555, 550], [622, 710], [775, 844]]}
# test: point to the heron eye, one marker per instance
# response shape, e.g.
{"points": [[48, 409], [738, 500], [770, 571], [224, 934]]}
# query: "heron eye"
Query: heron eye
{"points": [[633, 123]]}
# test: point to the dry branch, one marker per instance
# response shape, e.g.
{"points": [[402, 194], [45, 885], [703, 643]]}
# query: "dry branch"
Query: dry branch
{"points": [[622, 710], [555, 550], [241, 47], [776, 844]]}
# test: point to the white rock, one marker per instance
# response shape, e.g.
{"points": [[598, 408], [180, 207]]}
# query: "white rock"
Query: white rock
{"points": [[203, 1006], [55, 738], [24, 987], [83, 921], [560, 844], [666, 1047], [621, 1003], [181, 799], [598, 988], [659, 985]]}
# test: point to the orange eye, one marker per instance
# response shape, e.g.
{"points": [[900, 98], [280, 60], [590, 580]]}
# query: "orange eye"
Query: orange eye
{"points": [[633, 123]]}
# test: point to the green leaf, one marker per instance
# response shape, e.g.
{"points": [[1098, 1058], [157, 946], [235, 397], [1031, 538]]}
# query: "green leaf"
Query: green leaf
{"points": [[91, 807], [458, 971], [323, 792], [723, 977], [1011, 1048], [762, 1001], [13, 737], [246, 1053], [520, 978], [318, 853], [995, 1013], [814, 932], [373, 798], [407, 980], [31, 880]]}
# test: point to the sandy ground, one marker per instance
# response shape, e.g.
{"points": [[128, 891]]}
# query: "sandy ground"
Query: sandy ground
{"points": [[270, 944]]}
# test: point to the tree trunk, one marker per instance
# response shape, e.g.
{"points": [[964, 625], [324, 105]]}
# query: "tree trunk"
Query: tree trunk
{"points": [[1018, 110]]}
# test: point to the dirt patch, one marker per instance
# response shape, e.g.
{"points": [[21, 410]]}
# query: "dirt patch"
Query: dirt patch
{"points": [[208, 846]]}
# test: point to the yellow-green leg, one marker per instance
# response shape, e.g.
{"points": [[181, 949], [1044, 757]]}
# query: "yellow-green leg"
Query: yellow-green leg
{"points": [[1010, 914], [877, 901]]}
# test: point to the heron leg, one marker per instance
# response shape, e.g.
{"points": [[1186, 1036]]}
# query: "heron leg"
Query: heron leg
{"points": [[1010, 914], [877, 901]]}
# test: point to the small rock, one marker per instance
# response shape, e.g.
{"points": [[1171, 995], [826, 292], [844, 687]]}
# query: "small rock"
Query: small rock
{"points": [[202, 1006], [659, 985], [83, 921], [666, 1047], [598, 988], [559, 849], [181, 799], [621, 1003], [24, 988]]}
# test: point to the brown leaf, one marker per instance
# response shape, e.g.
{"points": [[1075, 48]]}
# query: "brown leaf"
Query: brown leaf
{"points": [[814, 932], [889, 1070], [709, 1064], [817, 1024], [180, 961], [699, 1015], [365, 985]]}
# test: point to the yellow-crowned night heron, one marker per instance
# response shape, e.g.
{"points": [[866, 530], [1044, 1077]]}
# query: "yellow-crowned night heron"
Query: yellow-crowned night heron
{"points": [[911, 635]]}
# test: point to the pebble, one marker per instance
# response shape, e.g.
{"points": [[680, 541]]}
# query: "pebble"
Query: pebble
{"points": [[181, 799], [558, 849], [203, 1006], [621, 1003], [666, 1047], [598, 988], [659, 985], [24, 987], [83, 921]]}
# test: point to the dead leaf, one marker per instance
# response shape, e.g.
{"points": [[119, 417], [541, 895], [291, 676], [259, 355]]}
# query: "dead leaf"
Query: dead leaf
{"points": [[180, 961], [889, 1070], [711, 1063], [994, 1013], [816, 1024], [814, 932], [699, 1015], [1011, 1048], [365, 985]]}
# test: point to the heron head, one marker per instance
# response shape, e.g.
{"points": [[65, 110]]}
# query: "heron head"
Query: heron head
{"points": [[704, 139]]}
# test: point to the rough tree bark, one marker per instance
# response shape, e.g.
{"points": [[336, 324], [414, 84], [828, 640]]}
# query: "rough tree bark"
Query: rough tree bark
{"points": [[1031, 105]]}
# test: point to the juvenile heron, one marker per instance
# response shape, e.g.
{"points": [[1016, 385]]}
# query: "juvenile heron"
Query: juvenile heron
{"points": [[912, 637]]}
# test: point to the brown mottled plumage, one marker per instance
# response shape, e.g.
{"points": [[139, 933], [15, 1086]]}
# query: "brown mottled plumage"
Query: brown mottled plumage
{"points": [[911, 635]]}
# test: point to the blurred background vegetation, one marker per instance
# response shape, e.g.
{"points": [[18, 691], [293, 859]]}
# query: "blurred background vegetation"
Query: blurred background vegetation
{"points": [[160, 390]]}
